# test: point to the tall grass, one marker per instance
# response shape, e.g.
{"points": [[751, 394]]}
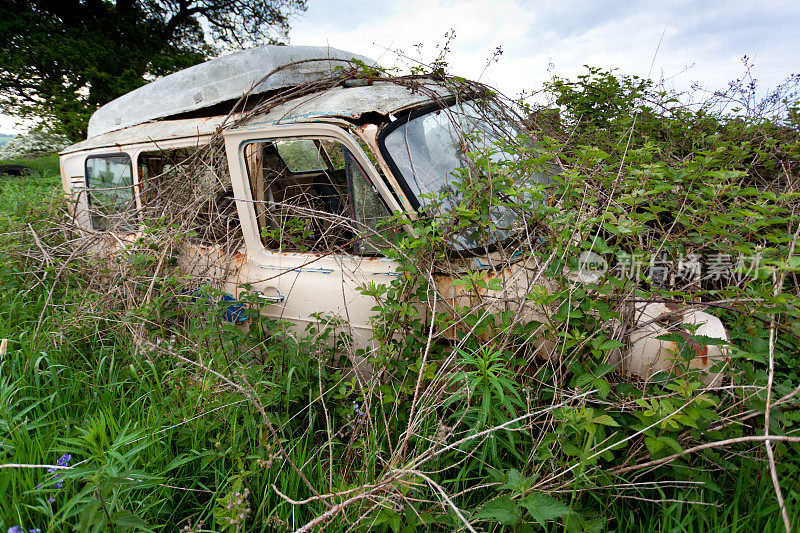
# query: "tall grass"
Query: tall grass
{"points": [[159, 445], [167, 417]]}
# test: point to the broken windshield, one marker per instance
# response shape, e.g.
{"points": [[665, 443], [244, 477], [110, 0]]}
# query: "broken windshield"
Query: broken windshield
{"points": [[428, 148]]}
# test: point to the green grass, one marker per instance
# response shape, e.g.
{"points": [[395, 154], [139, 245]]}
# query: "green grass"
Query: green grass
{"points": [[157, 443], [746, 502], [18, 194], [121, 417]]}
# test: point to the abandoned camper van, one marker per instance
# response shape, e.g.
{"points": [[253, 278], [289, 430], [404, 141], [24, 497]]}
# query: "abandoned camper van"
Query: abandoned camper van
{"points": [[284, 169]]}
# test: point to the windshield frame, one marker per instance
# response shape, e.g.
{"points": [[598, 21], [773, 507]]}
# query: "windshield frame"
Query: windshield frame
{"points": [[404, 119], [401, 178]]}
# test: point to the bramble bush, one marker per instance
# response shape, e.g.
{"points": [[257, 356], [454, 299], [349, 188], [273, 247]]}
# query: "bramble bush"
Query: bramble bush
{"points": [[473, 416]]}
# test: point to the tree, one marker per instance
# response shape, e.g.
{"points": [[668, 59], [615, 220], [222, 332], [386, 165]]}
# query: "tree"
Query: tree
{"points": [[62, 59]]}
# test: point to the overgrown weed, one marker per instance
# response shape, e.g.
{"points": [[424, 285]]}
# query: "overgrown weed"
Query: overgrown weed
{"points": [[174, 416]]}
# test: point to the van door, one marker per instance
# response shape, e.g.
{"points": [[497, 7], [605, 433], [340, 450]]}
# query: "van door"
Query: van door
{"points": [[312, 209]]}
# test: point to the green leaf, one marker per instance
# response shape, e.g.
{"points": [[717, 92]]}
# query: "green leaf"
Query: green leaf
{"points": [[179, 461], [128, 520], [518, 482], [594, 525], [604, 389], [571, 450], [515, 480], [387, 516], [495, 285], [610, 344], [503, 510], [605, 420], [583, 380], [603, 369], [544, 508], [653, 445], [671, 443]]}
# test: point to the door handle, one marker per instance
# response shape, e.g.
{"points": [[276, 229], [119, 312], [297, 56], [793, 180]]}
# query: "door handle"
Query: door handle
{"points": [[272, 298]]}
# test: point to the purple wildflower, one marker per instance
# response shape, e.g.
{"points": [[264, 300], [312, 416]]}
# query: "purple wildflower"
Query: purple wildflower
{"points": [[62, 461], [16, 529], [358, 413]]}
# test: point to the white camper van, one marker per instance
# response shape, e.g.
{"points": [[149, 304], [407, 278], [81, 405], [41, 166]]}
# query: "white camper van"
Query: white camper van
{"points": [[357, 150]]}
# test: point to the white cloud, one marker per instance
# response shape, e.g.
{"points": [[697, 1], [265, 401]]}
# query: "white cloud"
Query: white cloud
{"points": [[708, 37]]}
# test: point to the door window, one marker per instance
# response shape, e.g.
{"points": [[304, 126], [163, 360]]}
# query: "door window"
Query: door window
{"points": [[313, 195], [110, 182]]}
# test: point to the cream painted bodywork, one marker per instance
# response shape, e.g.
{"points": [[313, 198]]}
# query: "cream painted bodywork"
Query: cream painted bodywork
{"points": [[310, 283], [648, 355], [301, 285]]}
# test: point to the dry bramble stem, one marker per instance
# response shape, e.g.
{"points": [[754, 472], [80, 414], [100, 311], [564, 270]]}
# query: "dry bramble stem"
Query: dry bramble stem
{"points": [[430, 440], [701, 447]]}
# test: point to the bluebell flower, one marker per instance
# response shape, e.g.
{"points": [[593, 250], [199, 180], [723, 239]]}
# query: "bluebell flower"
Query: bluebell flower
{"points": [[358, 413], [62, 461], [16, 529]]}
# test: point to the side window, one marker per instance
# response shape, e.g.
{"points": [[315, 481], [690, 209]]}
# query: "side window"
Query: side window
{"points": [[312, 195], [110, 182], [173, 180], [163, 179], [369, 211], [302, 155]]}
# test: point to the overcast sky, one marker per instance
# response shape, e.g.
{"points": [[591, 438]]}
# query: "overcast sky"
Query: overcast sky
{"points": [[703, 41]]}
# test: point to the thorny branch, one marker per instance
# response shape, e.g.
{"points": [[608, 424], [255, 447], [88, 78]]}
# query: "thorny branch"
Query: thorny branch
{"points": [[179, 212]]}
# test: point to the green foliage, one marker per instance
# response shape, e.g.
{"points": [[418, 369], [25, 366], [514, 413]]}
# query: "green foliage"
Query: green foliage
{"points": [[175, 416], [293, 234], [60, 60], [600, 99], [642, 180]]}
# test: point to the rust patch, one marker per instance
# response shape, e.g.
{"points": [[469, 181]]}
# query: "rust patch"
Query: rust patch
{"points": [[701, 351]]}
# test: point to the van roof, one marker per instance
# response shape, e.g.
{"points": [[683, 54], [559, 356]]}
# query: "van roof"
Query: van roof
{"points": [[381, 97], [220, 80]]}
